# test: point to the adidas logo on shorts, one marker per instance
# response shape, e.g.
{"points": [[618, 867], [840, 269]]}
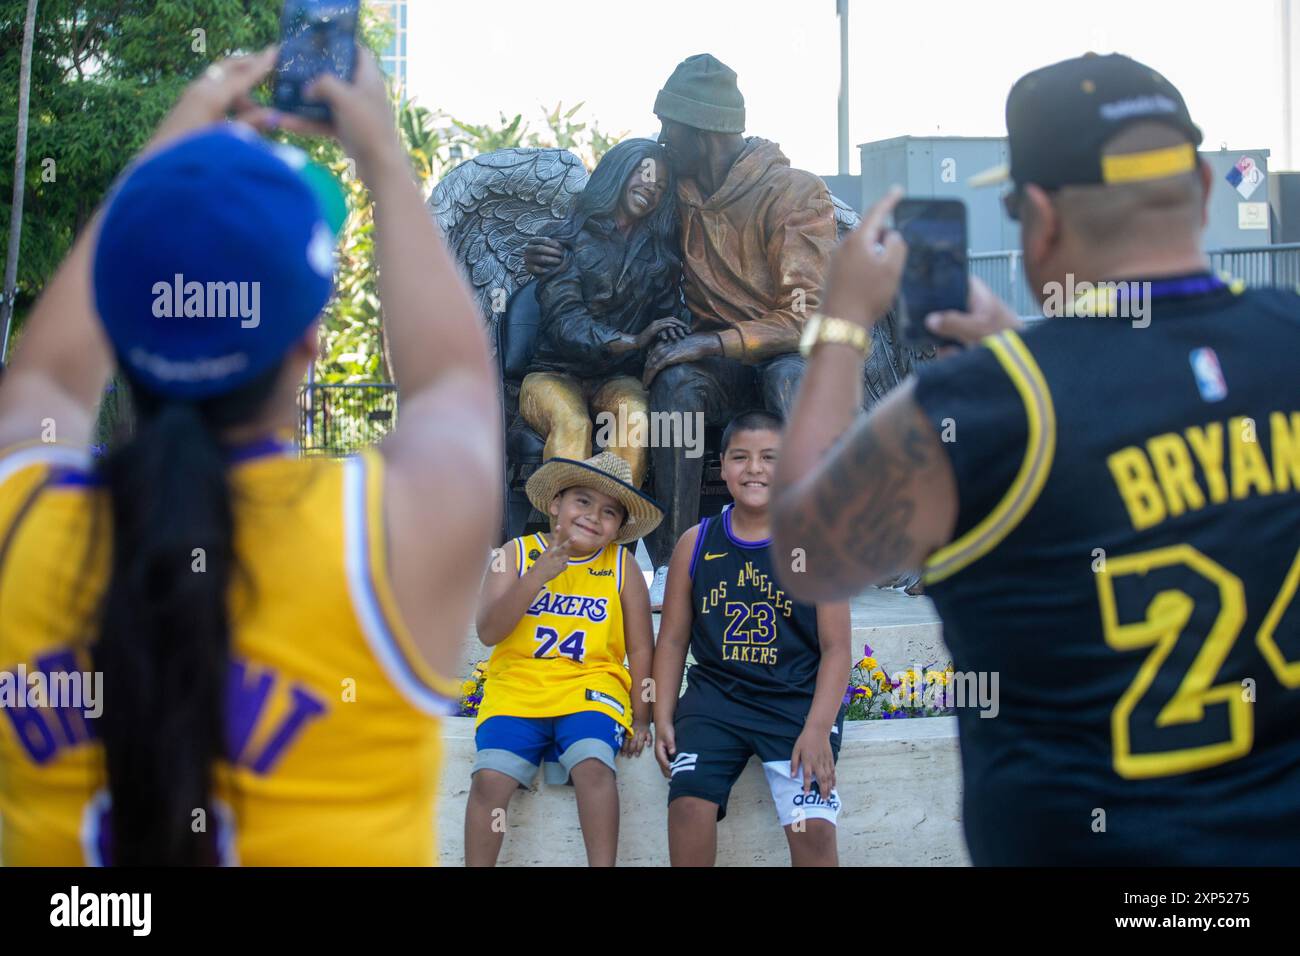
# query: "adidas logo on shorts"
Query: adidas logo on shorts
{"points": [[683, 762], [815, 799]]}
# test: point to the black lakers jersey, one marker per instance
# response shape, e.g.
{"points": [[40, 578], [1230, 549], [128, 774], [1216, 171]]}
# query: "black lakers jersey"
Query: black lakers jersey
{"points": [[1126, 561], [756, 649]]}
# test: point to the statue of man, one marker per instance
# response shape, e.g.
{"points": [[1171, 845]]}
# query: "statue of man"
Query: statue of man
{"points": [[756, 241]]}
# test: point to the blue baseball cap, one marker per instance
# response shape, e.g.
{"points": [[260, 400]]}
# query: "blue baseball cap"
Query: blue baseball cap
{"points": [[215, 254]]}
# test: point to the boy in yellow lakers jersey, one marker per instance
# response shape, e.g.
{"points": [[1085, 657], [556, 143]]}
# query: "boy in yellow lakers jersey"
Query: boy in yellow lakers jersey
{"points": [[561, 613]]}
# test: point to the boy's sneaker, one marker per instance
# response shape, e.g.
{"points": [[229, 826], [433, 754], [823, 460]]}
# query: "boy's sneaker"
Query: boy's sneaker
{"points": [[657, 587]]}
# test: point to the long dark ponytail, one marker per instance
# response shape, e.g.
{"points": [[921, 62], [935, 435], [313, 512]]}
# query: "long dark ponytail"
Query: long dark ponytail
{"points": [[164, 631]]}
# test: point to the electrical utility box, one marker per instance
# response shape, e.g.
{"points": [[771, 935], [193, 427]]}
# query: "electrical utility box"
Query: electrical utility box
{"points": [[1239, 211], [938, 167], [1284, 198]]}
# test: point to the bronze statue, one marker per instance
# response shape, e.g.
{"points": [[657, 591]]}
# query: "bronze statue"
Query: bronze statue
{"points": [[755, 235], [756, 238], [618, 293]]}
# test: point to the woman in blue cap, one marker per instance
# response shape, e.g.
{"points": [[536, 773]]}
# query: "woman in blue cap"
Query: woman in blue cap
{"points": [[211, 649]]}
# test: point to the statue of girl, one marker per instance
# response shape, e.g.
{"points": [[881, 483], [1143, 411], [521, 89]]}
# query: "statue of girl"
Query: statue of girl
{"points": [[617, 292]]}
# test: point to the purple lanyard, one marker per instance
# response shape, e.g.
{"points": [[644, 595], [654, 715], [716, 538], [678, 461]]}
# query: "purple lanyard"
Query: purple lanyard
{"points": [[1184, 287], [235, 454]]}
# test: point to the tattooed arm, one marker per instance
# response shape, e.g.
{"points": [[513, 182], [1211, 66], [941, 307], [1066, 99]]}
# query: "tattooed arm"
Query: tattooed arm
{"points": [[878, 502], [860, 496]]}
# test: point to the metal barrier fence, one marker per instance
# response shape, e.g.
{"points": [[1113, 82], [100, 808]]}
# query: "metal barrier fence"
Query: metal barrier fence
{"points": [[342, 419], [1276, 265]]}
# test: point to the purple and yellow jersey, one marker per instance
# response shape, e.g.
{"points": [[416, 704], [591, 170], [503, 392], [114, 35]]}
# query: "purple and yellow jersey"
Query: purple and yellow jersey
{"points": [[567, 653], [333, 744]]}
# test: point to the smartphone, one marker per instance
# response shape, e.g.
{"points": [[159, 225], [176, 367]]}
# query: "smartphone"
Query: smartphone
{"points": [[316, 36], [934, 276]]}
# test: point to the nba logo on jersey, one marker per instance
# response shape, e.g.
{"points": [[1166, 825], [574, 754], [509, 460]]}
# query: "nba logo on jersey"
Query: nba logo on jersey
{"points": [[1209, 376]]}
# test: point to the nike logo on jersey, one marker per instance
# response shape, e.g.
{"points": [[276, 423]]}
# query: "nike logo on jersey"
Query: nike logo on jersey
{"points": [[683, 762], [710, 557]]}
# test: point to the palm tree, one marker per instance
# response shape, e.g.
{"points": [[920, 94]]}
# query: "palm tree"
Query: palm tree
{"points": [[20, 176]]}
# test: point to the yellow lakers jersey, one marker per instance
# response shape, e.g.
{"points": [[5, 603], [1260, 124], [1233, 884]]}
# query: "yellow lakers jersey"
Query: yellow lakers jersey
{"points": [[333, 746], [567, 653]]}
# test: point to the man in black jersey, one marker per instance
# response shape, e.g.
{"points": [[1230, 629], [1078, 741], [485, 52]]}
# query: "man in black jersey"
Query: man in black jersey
{"points": [[769, 674], [1105, 505]]}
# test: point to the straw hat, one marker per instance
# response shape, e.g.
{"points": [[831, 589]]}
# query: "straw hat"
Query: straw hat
{"points": [[606, 473]]}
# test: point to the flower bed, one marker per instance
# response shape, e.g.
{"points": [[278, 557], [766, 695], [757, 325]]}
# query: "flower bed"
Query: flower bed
{"points": [[871, 695], [915, 692]]}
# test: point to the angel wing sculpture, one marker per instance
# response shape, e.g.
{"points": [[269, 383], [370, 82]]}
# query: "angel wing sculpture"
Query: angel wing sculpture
{"points": [[488, 208]]}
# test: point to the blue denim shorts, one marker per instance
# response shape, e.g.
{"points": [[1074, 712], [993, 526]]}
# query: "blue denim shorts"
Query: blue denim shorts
{"points": [[517, 746]]}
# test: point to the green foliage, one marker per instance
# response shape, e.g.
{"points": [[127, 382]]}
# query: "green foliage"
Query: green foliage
{"points": [[486, 138], [105, 72], [562, 130], [567, 133]]}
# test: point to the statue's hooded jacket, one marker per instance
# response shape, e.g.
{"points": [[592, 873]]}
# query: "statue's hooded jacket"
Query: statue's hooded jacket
{"points": [[756, 252]]}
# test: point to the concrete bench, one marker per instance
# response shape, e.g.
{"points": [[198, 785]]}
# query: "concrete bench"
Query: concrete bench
{"points": [[900, 781]]}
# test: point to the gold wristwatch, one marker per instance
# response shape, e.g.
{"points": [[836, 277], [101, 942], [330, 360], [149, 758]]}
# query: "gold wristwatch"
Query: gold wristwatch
{"points": [[823, 328]]}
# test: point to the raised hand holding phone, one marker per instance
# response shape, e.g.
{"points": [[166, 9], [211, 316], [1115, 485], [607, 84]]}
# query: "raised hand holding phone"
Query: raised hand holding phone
{"points": [[317, 38]]}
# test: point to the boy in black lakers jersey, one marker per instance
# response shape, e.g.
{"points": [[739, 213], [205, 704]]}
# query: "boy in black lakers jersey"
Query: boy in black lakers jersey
{"points": [[769, 673]]}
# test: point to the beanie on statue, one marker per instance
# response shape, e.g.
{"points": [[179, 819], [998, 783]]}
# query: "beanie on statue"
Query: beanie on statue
{"points": [[702, 93]]}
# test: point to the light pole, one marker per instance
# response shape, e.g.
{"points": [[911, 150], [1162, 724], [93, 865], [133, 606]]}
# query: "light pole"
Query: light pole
{"points": [[842, 8], [1285, 29], [20, 177]]}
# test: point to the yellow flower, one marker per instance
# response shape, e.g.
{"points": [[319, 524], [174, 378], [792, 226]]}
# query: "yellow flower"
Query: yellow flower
{"points": [[868, 663], [468, 687], [866, 692]]}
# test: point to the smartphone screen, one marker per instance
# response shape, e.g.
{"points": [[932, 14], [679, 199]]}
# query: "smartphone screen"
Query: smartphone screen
{"points": [[316, 36], [934, 277]]}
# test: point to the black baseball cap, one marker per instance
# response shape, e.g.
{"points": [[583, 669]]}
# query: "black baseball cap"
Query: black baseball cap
{"points": [[1060, 117]]}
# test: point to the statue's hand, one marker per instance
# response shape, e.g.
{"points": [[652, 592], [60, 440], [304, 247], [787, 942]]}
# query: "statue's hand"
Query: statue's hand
{"points": [[668, 329], [690, 349], [541, 255]]}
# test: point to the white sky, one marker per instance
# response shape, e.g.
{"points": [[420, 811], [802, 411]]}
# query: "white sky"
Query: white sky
{"points": [[920, 67]]}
